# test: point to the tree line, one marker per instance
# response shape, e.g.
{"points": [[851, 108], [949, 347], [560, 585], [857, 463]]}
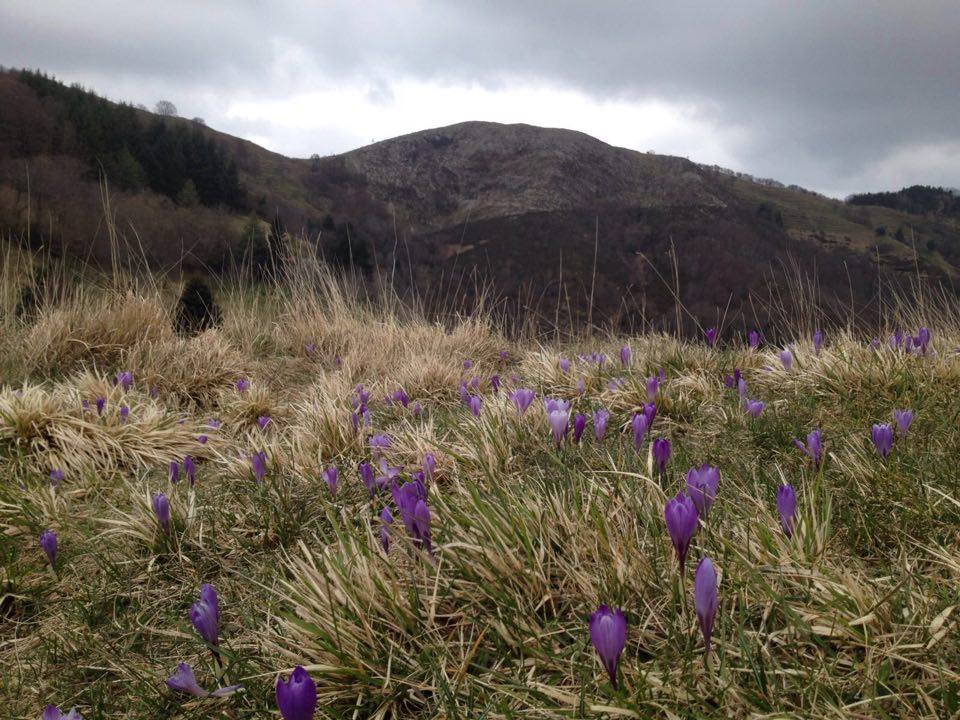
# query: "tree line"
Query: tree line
{"points": [[169, 156]]}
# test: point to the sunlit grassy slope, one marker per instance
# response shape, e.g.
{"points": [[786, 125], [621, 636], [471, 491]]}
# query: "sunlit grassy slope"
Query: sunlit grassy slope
{"points": [[852, 617]]}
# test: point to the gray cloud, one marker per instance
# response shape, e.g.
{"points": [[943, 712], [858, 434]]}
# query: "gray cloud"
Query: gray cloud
{"points": [[822, 93]]}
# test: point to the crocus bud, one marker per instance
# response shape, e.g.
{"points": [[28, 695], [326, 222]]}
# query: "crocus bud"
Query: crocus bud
{"points": [[638, 424], [522, 398], [579, 423], [48, 543], [787, 507], [56, 477], [753, 339], [101, 403], [753, 408], [702, 487], [367, 476], [52, 712], [903, 419], [564, 365], [681, 516], [817, 342], [608, 633], [786, 359], [183, 680], [710, 335], [558, 416], [705, 598], [205, 615], [174, 471], [814, 446], [330, 475], [653, 387], [429, 465], [263, 421], [386, 520], [495, 383], [242, 385], [124, 413], [600, 419], [258, 463], [297, 696], [625, 354], [474, 403], [661, 453], [161, 509], [882, 436], [190, 469]]}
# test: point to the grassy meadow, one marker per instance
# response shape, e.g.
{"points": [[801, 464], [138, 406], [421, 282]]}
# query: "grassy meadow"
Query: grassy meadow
{"points": [[854, 616]]}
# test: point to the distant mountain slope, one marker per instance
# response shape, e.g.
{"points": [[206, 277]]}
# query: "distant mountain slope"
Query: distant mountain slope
{"points": [[443, 210]]}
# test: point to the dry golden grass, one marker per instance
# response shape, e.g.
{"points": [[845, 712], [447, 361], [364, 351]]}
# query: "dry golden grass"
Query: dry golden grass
{"points": [[855, 616]]}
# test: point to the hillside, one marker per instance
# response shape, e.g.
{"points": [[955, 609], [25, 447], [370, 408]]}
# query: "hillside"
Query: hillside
{"points": [[445, 211]]}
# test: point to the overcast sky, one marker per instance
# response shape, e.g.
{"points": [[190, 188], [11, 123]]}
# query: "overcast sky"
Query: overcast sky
{"points": [[838, 96]]}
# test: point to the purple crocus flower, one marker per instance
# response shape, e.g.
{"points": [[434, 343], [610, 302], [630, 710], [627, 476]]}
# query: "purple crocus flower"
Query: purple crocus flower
{"points": [[205, 615], [564, 365], [681, 516], [174, 472], [625, 355], [787, 507], [154, 392], [660, 448], [882, 435], [190, 469], [558, 416], [702, 485], [705, 598], [814, 446], [653, 387], [710, 335], [903, 419], [742, 388], [331, 476], [399, 397], [56, 477], [753, 407], [389, 474], [733, 381], [579, 423], [263, 421], [124, 413], [161, 509], [608, 633], [183, 680], [242, 385], [297, 697], [786, 358], [85, 406], [474, 403], [386, 520], [258, 463], [379, 443], [411, 503], [362, 396], [124, 380], [367, 476], [202, 439], [874, 343], [48, 543], [429, 465], [650, 413], [52, 712], [639, 425], [753, 339], [214, 424], [922, 340], [817, 341], [467, 364], [464, 392], [495, 384], [417, 409], [600, 419], [101, 403]]}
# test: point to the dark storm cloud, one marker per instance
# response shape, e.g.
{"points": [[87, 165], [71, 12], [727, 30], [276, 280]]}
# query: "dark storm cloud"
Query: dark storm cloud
{"points": [[820, 91]]}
